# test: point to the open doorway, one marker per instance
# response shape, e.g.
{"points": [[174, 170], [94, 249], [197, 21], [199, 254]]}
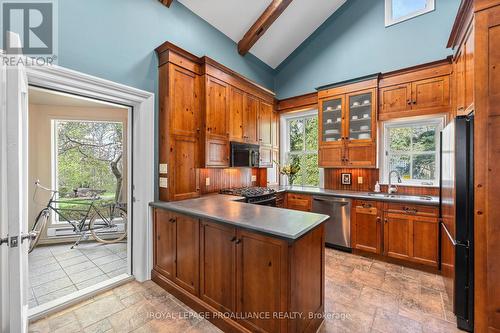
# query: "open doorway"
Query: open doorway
{"points": [[78, 171]]}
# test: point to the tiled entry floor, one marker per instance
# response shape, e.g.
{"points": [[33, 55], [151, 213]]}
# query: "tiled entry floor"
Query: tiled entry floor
{"points": [[57, 270], [374, 296]]}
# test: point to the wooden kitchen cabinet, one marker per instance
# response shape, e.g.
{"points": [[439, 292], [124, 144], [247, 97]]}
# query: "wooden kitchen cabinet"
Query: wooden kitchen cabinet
{"points": [[298, 201], [183, 178], [218, 266], [250, 128], [236, 115], [261, 267], [415, 91], [163, 243], [265, 124], [217, 108], [463, 74], [217, 152], [266, 157], [348, 126], [176, 248], [366, 226], [411, 233]]}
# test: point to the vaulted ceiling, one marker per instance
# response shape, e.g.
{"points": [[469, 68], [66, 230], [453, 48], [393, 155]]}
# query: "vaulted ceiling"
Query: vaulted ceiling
{"points": [[296, 20]]}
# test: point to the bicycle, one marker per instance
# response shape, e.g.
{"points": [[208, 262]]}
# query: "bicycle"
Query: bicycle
{"points": [[103, 228]]}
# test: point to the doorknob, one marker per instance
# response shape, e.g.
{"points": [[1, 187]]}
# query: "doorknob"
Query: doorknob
{"points": [[29, 236], [4, 240]]}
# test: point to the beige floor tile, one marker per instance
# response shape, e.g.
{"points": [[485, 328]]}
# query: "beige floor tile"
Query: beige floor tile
{"points": [[386, 321], [99, 327], [98, 310], [379, 298], [132, 317]]}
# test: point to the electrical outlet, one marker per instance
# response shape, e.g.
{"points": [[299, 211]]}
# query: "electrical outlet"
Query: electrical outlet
{"points": [[207, 181], [164, 168], [360, 180], [163, 182], [254, 178]]}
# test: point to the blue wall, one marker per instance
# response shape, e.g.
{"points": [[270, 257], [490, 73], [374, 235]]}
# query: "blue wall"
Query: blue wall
{"points": [[354, 42], [115, 39]]}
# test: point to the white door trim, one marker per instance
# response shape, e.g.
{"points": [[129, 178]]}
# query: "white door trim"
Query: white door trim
{"points": [[142, 117]]}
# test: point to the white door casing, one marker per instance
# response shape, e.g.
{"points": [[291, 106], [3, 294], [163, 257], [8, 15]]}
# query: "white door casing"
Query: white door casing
{"points": [[14, 195]]}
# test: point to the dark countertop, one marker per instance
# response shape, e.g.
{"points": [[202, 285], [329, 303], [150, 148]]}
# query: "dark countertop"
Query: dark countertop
{"points": [[282, 223], [413, 199]]}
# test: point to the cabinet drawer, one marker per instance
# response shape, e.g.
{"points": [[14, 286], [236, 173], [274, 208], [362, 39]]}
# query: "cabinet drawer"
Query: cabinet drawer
{"points": [[298, 201], [365, 205], [411, 209]]}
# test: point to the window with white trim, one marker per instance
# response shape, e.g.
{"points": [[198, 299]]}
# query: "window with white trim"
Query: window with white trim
{"points": [[301, 147], [411, 147], [401, 10]]}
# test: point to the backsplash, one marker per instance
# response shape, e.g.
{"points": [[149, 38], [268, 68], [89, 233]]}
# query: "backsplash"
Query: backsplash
{"points": [[226, 178], [370, 177]]}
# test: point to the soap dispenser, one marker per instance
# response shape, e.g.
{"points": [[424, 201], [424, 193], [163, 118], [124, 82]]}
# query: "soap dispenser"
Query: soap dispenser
{"points": [[377, 187]]}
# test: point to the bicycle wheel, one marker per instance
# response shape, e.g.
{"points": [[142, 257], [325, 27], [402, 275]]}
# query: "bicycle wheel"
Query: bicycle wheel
{"points": [[112, 231], [38, 228]]}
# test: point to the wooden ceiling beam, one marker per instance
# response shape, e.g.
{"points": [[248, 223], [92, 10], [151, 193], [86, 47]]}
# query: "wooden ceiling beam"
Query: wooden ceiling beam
{"points": [[166, 2], [272, 12]]}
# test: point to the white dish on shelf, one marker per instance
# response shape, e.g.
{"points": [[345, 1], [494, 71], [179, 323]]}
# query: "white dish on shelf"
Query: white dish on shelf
{"points": [[355, 104], [366, 102], [339, 107], [329, 121], [364, 136], [329, 108], [330, 139], [339, 119], [366, 116], [364, 128], [354, 117], [332, 131]]}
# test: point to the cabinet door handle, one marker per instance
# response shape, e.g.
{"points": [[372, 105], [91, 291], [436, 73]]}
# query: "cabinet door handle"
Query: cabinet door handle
{"points": [[414, 102], [233, 239], [365, 205], [408, 102], [385, 221], [238, 241], [378, 219]]}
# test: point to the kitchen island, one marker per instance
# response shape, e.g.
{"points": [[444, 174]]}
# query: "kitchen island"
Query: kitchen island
{"points": [[244, 267]]}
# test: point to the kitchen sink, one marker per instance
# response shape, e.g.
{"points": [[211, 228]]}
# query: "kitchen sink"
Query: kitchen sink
{"points": [[400, 196]]}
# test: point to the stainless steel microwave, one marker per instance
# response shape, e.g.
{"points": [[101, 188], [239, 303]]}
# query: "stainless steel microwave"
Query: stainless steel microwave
{"points": [[244, 155]]}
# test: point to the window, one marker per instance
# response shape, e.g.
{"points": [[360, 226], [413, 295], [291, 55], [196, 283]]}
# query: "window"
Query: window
{"points": [[301, 148], [401, 10], [88, 164], [411, 147]]}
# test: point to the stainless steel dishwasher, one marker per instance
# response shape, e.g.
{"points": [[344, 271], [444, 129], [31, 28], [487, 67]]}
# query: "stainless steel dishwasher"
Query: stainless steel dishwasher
{"points": [[338, 226]]}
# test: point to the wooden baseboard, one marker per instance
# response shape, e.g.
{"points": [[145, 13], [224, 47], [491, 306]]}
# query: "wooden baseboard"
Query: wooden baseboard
{"points": [[216, 317]]}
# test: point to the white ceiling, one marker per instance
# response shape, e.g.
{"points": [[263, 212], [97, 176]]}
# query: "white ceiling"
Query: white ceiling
{"points": [[234, 17]]}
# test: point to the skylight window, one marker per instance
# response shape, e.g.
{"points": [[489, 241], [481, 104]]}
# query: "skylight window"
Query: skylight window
{"points": [[401, 10]]}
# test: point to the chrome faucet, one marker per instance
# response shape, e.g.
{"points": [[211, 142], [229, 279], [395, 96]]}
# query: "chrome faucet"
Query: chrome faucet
{"points": [[393, 188]]}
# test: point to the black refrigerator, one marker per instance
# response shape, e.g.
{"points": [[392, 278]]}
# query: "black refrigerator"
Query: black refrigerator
{"points": [[457, 217]]}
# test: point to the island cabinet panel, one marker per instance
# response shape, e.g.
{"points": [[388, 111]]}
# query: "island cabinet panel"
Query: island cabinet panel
{"points": [[256, 279], [250, 120], [186, 264], [236, 115], [366, 226], [261, 280], [218, 266], [164, 243]]}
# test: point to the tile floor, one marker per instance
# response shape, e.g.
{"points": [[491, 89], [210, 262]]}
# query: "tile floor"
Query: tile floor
{"points": [[373, 296], [57, 270]]}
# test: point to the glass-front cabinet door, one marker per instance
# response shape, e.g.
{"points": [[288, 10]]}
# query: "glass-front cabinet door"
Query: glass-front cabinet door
{"points": [[332, 120], [361, 116]]}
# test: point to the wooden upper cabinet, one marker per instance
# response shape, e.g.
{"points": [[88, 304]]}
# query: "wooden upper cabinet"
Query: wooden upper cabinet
{"points": [[184, 90], [265, 123], [236, 114], [275, 133], [183, 178], [366, 226], [218, 266], [431, 93], [250, 119], [395, 99], [464, 75], [348, 129], [217, 153], [217, 107]]}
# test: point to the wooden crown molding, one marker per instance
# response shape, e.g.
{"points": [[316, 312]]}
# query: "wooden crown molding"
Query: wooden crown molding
{"points": [[464, 15], [166, 2], [257, 30], [296, 103]]}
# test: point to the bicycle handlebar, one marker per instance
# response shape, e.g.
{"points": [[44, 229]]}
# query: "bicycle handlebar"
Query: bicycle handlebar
{"points": [[37, 184]]}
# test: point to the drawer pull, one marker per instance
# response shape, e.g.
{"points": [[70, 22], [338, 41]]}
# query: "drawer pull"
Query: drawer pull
{"points": [[365, 205], [410, 210]]}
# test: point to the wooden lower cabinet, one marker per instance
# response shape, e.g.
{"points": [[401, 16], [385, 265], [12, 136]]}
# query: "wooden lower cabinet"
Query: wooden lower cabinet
{"points": [[366, 230], [298, 201], [410, 233], [176, 248], [255, 280], [218, 266]]}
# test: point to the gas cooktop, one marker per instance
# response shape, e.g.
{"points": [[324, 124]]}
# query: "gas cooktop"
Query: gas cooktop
{"points": [[248, 192]]}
